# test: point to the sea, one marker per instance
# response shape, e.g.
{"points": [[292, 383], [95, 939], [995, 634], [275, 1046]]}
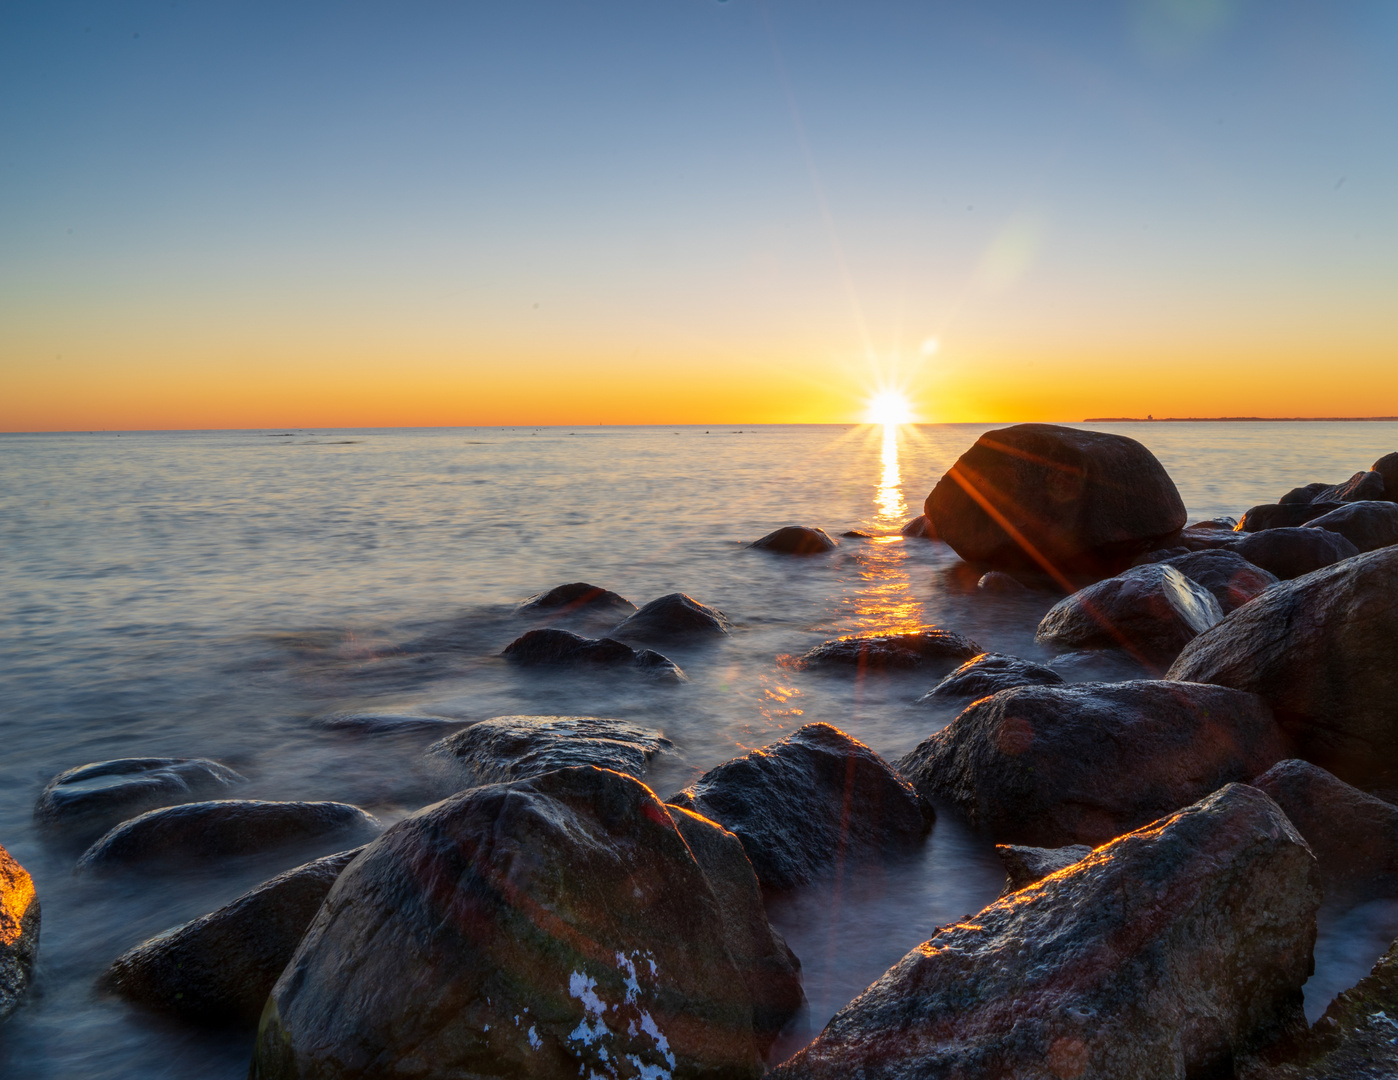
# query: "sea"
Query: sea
{"points": [[235, 594]]}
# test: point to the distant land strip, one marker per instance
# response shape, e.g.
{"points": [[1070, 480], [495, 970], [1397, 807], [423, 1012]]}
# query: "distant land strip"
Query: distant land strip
{"points": [[1237, 419]]}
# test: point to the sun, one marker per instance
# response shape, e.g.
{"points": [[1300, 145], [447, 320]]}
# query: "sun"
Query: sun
{"points": [[889, 407]]}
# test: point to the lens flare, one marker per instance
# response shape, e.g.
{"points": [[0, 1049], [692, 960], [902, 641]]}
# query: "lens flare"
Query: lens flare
{"points": [[889, 407]]}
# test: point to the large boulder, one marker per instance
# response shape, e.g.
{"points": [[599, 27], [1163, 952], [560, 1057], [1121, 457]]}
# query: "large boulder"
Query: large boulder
{"points": [[808, 802], [515, 747], [1231, 579], [673, 617], [557, 926], [796, 540], [988, 674], [1025, 865], [919, 528], [1167, 954], [893, 652], [578, 598], [1387, 467], [85, 802], [219, 968], [19, 932], [1047, 498], [1054, 765], [224, 827], [1320, 650], [562, 648], [1290, 553], [1367, 525], [1284, 515], [1151, 611]]}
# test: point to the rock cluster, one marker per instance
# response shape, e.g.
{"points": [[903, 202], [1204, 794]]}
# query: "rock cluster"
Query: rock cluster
{"points": [[19, 932]]}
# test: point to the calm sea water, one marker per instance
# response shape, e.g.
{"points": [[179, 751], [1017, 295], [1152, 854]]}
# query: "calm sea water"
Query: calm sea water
{"points": [[218, 594]]}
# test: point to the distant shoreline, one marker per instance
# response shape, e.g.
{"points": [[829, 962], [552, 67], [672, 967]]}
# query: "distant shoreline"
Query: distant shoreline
{"points": [[1238, 419]]}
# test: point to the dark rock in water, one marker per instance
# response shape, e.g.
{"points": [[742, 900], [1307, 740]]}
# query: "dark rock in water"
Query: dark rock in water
{"points": [[674, 617], [796, 540], [1151, 611], [562, 648], [857, 534], [1001, 583], [1101, 665], [1387, 467], [1301, 496], [893, 652], [220, 968], [1056, 765], [1226, 524], [1026, 865], [1290, 553], [387, 723], [1169, 953], [988, 674], [87, 801], [211, 830], [1161, 555], [1047, 498], [1279, 516], [1353, 834], [578, 598], [551, 927], [920, 528], [1367, 525], [19, 932], [1321, 650], [1360, 487], [515, 747], [809, 801], [1231, 579]]}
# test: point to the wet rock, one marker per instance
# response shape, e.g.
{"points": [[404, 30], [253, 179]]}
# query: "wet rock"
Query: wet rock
{"points": [[578, 598], [19, 932], [796, 540], [1367, 525], [1054, 765], [857, 534], [1026, 865], [1283, 516], [1040, 496], [988, 674], [1229, 577], [674, 617], [1151, 611], [1320, 650], [87, 801], [224, 827], [1387, 467], [1353, 834], [545, 928], [1226, 524], [1290, 553], [802, 804], [920, 528], [219, 968], [1001, 583], [515, 747], [893, 652], [562, 648], [1169, 953], [1360, 487], [1300, 496], [1101, 665]]}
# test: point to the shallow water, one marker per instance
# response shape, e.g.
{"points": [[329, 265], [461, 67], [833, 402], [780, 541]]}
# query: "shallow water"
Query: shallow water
{"points": [[220, 594]]}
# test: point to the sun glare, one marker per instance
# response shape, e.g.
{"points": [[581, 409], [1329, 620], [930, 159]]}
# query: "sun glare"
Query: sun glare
{"points": [[889, 407]]}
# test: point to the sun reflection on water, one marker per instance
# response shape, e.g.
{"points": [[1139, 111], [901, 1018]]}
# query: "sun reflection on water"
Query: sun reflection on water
{"points": [[889, 498]]}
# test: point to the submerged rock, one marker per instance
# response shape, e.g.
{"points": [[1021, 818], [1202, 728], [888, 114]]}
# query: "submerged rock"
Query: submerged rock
{"points": [[219, 968], [87, 801], [1367, 525], [1168, 953], [562, 648], [801, 805], [997, 581], [920, 528], [387, 723], [1231, 579], [578, 598], [988, 674], [1290, 553], [1042, 497], [796, 540], [893, 652], [19, 932], [211, 830], [544, 928], [1054, 765], [515, 747], [1026, 865], [673, 617], [1283, 515], [1320, 650]]}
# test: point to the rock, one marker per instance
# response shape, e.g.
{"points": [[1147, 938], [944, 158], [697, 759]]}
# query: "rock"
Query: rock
{"points": [[1290, 553], [1361, 487], [1300, 496], [1169, 953], [387, 723], [562, 648], [920, 528], [674, 617], [19, 932], [1047, 498], [1367, 525], [1101, 665], [987, 674], [1229, 577], [893, 652], [1353, 834], [857, 534], [1320, 650], [542, 928], [796, 540], [1226, 524], [219, 968], [578, 598], [1001, 583], [1151, 611], [1082, 764], [1283, 516], [1387, 467], [224, 827], [814, 799], [1026, 865], [515, 747], [87, 801]]}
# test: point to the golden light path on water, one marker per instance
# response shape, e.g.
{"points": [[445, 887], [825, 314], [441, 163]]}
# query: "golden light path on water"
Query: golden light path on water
{"points": [[885, 603]]}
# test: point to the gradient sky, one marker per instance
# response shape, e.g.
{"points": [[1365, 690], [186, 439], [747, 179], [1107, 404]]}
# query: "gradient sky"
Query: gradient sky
{"points": [[307, 213]]}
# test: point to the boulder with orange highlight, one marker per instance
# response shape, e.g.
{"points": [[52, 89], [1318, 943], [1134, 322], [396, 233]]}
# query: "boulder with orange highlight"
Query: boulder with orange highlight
{"points": [[1171, 952], [796, 540], [19, 932], [1082, 764], [1055, 500], [915, 650]]}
